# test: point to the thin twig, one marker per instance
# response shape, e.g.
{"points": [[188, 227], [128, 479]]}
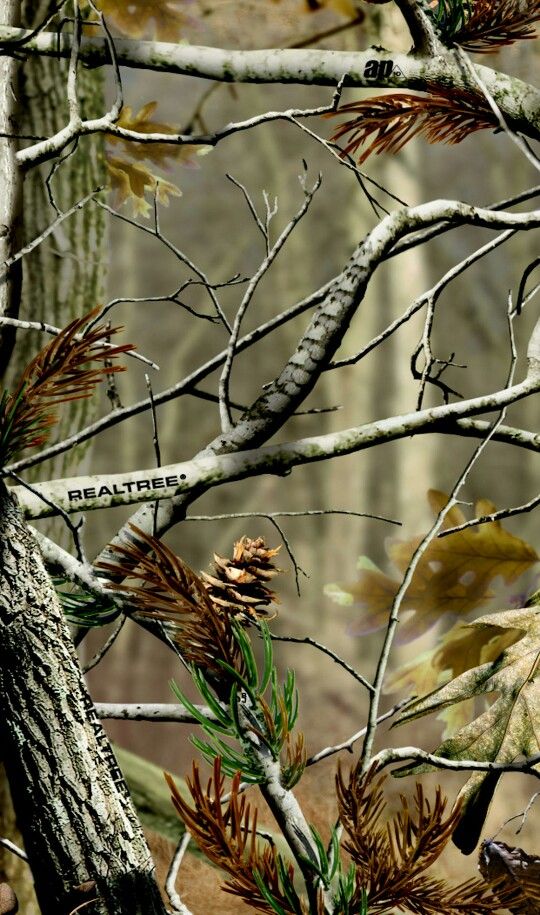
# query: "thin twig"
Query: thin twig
{"points": [[155, 440], [464, 58], [172, 875], [26, 249], [7, 843], [416, 557], [99, 655], [224, 381], [349, 743], [74, 529], [494, 516], [307, 640], [180, 255], [54, 331]]}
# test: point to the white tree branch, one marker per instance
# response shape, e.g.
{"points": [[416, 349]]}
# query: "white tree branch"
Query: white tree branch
{"points": [[88, 493], [517, 100], [402, 754]]}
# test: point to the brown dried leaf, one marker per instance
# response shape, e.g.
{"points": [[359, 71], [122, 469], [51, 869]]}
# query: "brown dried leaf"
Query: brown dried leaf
{"points": [[454, 576], [443, 116], [158, 153], [514, 870], [163, 20], [131, 180]]}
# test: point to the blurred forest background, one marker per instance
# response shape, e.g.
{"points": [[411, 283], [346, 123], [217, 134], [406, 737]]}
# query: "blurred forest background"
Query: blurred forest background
{"points": [[211, 224]]}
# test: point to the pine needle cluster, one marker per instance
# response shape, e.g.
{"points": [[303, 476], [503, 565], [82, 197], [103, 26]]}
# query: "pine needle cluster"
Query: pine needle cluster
{"points": [[199, 610], [65, 369]]}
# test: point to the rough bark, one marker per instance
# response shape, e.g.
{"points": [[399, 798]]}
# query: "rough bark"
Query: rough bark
{"points": [[58, 285], [71, 802]]}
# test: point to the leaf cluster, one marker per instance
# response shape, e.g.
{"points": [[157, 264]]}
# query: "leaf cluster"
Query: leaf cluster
{"points": [[392, 859], [64, 370], [131, 178], [166, 589], [270, 723], [454, 577], [483, 26], [509, 728], [82, 608], [390, 121], [226, 831], [212, 640]]}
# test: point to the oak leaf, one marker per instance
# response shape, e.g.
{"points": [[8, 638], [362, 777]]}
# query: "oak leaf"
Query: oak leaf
{"points": [[131, 180], [454, 576], [130, 177], [508, 729], [164, 20], [457, 651]]}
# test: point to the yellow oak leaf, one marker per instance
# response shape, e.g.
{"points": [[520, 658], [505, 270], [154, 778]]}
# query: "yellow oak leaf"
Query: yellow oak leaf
{"points": [[159, 153], [131, 180], [163, 20], [453, 578], [508, 729]]}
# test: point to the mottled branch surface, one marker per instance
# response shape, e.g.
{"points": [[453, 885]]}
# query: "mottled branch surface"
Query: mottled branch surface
{"points": [[77, 819], [518, 101]]}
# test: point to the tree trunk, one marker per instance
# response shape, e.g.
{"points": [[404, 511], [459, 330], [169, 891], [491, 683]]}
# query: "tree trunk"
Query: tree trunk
{"points": [[72, 805], [58, 284]]}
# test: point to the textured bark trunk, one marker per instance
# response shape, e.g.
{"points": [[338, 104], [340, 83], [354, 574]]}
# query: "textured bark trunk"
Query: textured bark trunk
{"points": [[59, 283], [71, 802]]}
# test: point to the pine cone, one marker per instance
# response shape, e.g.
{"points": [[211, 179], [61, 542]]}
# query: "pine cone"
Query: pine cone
{"points": [[239, 584]]}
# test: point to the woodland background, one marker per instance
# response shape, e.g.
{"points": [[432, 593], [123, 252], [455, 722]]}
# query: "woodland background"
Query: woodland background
{"points": [[210, 221]]}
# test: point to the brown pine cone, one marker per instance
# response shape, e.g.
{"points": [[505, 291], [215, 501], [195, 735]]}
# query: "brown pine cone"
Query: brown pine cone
{"points": [[239, 584]]}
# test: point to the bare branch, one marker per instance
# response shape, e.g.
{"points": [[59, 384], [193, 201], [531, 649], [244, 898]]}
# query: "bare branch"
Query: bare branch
{"points": [[307, 67], [170, 888], [307, 640], [90, 493], [150, 711]]}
